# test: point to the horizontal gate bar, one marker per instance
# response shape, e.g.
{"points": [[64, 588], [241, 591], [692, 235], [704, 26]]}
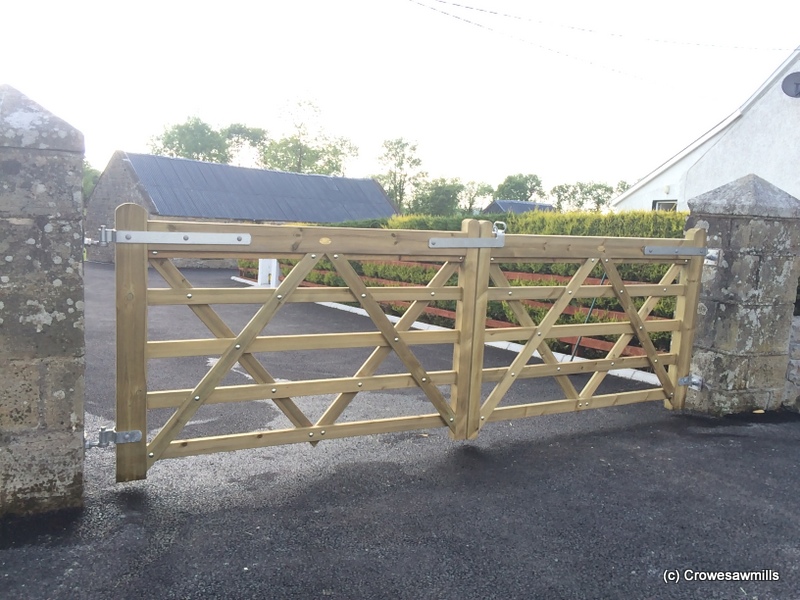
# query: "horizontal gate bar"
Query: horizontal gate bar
{"points": [[520, 411], [313, 387]]}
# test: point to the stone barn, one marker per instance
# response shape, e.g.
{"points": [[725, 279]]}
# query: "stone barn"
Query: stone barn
{"points": [[196, 190]]}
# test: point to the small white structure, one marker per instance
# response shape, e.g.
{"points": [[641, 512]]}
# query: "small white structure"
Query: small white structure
{"points": [[761, 137]]}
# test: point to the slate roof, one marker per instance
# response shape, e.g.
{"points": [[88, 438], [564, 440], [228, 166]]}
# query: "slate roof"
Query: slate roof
{"points": [[180, 187], [516, 206]]}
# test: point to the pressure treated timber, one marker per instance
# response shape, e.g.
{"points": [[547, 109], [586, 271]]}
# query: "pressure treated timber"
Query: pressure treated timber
{"points": [[473, 276], [230, 357], [382, 352], [131, 385], [342, 385], [219, 328], [480, 280], [686, 314]]}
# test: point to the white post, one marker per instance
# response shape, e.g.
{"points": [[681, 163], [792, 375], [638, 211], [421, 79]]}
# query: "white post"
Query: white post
{"points": [[269, 272]]}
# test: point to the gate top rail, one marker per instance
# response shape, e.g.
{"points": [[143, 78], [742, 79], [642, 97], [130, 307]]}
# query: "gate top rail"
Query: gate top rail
{"points": [[357, 243]]}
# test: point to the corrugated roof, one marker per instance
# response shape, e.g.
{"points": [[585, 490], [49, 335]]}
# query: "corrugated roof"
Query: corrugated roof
{"points": [[180, 187], [516, 206]]}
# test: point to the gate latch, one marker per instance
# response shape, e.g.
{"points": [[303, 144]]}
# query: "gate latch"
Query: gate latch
{"points": [[498, 241], [695, 382], [107, 436]]}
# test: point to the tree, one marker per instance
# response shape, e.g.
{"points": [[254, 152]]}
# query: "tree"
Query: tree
{"points": [[193, 139], [299, 153], [473, 192], [307, 148], [90, 177], [437, 197], [582, 196], [197, 140], [520, 187], [403, 171]]}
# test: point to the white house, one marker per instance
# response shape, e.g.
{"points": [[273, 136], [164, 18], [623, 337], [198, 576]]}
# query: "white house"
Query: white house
{"points": [[761, 137]]}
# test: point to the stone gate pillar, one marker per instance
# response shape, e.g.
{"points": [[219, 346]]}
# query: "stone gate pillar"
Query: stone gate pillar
{"points": [[741, 347], [41, 308]]}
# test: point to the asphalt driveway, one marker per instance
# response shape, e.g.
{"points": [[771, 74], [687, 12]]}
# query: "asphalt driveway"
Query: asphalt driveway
{"points": [[601, 504]]}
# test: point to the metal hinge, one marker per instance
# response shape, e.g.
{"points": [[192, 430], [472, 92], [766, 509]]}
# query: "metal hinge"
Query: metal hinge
{"points": [[675, 251], [695, 382], [107, 436], [108, 236], [498, 241]]}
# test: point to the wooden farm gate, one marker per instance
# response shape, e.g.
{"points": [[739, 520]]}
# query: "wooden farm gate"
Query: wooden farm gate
{"points": [[469, 272]]}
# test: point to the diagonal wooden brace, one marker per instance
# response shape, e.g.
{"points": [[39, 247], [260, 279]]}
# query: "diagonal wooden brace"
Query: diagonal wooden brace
{"points": [[638, 325], [619, 346], [220, 329], [415, 368], [538, 337], [370, 366], [230, 357], [525, 320]]}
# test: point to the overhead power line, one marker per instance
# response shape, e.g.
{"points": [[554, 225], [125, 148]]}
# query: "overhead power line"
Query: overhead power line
{"points": [[523, 40], [597, 32]]}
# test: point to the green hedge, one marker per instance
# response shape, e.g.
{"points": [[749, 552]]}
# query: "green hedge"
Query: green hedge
{"points": [[629, 224]]}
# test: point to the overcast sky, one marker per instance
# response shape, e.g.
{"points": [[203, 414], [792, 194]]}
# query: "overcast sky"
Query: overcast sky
{"points": [[581, 90]]}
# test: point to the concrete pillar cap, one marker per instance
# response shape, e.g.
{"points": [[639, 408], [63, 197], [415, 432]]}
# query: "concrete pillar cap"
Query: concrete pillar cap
{"points": [[749, 196]]}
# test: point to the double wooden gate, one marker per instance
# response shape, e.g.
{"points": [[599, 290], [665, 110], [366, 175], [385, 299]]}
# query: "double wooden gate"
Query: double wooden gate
{"points": [[469, 272]]}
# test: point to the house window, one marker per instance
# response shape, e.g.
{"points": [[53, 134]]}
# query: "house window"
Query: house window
{"points": [[671, 205]]}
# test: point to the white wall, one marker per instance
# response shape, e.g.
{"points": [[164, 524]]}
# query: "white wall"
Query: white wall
{"points": [[764, 140]]}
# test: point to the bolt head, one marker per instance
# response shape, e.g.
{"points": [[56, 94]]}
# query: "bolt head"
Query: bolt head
{"points": [[274, 390], [151, 455], [313, 256], [363, 295], [310, 434], [197, 398], [188, 295], [360, 384], [238, 346]]}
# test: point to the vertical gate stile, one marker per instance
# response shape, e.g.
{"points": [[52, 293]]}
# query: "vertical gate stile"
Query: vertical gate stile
{"points": [[473, 279], [131, 307], [686, 313]]}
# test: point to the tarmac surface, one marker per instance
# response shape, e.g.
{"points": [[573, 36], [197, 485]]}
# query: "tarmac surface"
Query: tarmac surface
{"points": [[606, 503]]}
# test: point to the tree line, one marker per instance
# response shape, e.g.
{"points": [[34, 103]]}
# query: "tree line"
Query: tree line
{"points": [[304, 150]]}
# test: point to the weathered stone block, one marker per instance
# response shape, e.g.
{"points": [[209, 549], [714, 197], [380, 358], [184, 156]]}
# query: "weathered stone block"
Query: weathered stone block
{"points": [[791, 396], [717, 228], [62, 394], [723, 402], [777, 280], [41, 471], [766, 372], [736, 372], [705, 333], [764, 237], [40, 184], [749, 330], [732, 279], [19, 396], [793, 371]]}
